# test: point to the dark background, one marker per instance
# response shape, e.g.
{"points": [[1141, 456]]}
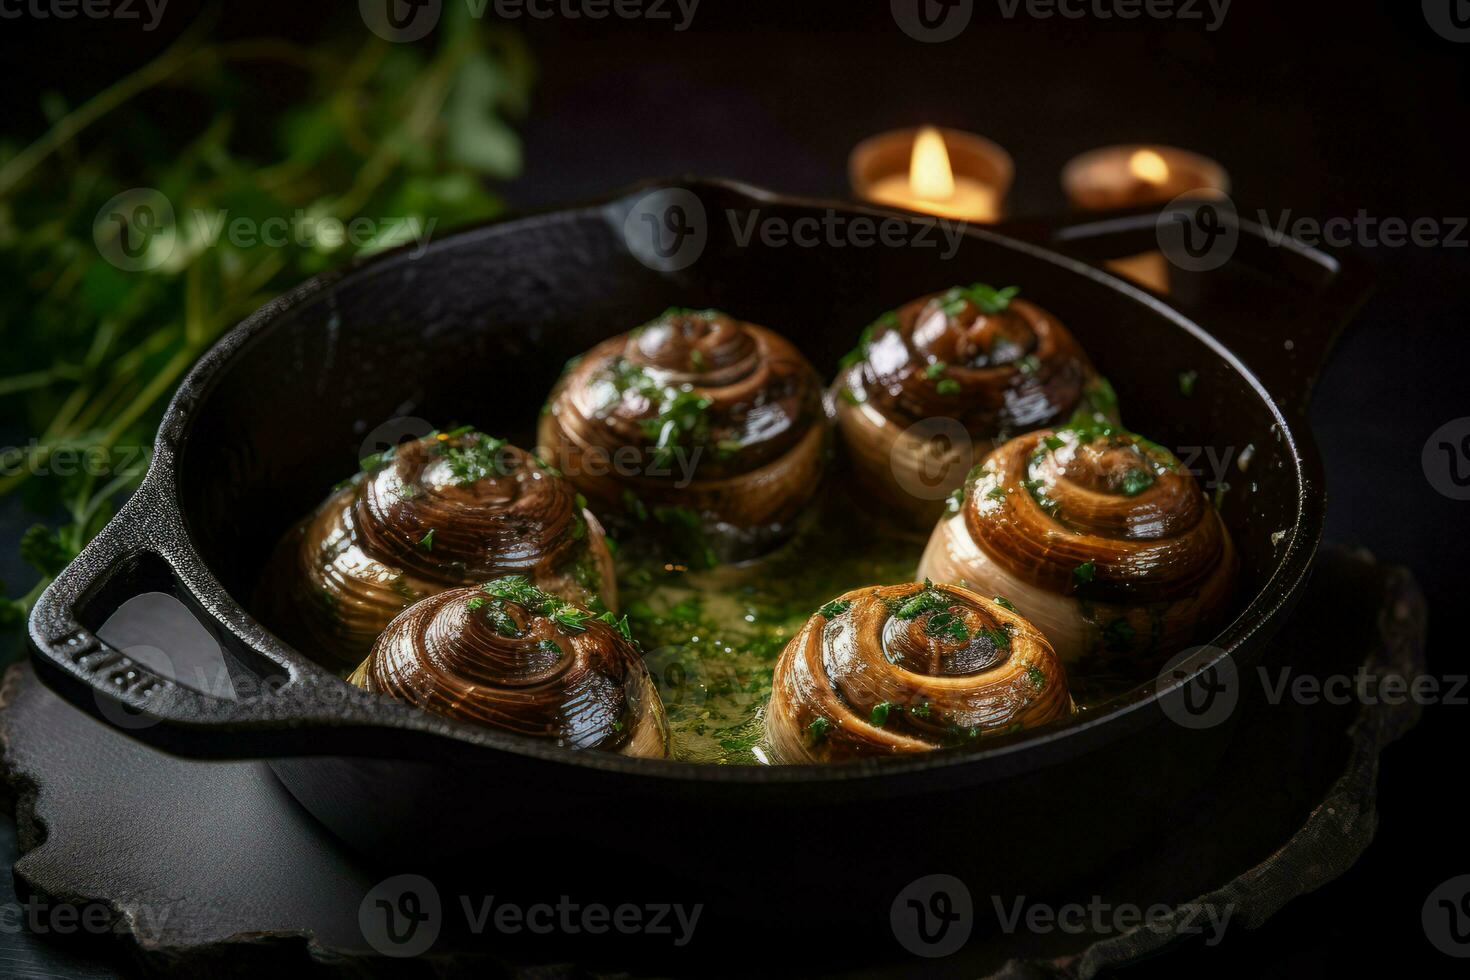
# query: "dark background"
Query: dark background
{"points": [[1322, 110]]}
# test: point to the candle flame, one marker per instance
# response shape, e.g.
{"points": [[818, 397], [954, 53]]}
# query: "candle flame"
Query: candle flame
{"points": [[1148, 166], [930, 176]]}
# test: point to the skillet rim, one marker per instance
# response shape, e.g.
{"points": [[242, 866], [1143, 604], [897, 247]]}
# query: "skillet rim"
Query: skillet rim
{"points": [[1033, 749]]}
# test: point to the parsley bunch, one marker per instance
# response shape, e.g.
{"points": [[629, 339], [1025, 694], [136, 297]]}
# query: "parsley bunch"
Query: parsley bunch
{"points": [[403, 136]]}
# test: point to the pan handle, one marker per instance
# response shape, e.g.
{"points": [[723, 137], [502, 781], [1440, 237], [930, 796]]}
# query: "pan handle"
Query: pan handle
{"points": [[133, 555], [1277, 303]]}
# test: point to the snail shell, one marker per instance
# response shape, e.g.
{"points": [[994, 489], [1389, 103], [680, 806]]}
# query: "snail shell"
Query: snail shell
{"points": [[1098, 536], [439, 512], [909, 668], [518, 659], [938, 383], [696, 421]]}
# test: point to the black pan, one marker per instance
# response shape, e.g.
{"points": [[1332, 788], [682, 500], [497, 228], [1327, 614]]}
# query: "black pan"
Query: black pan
{"points": [[476, 329]]}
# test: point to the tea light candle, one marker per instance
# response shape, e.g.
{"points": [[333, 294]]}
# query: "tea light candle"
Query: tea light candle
{"points": [[947, 173], [1134, 176]]}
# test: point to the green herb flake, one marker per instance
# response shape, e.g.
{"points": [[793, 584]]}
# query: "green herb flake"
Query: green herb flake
{"points": [[1037, 677], [947, 386], [1005, 603], [879, 716], [427, 541], [1135, 482], [816, 732], [1084, 572], [835, 608], [1187, 381], [935, 370], [921, 602]]}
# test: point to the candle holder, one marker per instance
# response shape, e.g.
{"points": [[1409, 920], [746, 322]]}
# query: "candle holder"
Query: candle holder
{"points": [[881, 170], [1135, 175]]}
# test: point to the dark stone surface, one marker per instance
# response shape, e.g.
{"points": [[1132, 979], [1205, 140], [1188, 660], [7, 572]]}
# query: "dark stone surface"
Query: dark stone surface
{"points": [[213, 866]]}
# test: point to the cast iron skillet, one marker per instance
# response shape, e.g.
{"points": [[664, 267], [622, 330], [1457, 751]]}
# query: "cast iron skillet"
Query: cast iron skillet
{"points": [[475, 330]]}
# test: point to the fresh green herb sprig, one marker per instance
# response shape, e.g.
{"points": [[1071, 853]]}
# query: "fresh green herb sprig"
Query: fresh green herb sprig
{"points": [[518, 589], [987, 299], [405, 136]]}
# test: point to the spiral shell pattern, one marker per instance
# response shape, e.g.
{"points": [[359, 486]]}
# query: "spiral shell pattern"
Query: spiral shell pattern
{"points": [[440, 512], [695, 410], [496, 662], [936, 384], [1098, 535], [908, 668]]}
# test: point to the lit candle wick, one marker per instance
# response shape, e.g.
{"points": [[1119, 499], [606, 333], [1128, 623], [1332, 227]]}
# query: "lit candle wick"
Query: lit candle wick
{"points": [[1149, 167], [930, 176]]}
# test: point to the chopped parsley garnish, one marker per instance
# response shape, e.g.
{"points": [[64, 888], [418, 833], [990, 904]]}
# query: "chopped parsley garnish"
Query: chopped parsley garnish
{"points": [[518, 589], [1084, 572], [372, 462], [987, 299], [1134, 482], [947, 624], [476, 602], [427, 541], [477, 459], [835, 608], [1005, 603], [935, 370], [947, 386], [879, 716], [816, 732], [999, 638], [859, 353], [1053, 442], [928, 600], [996, 493], [1030, 364], [1037, 677], [621, 625], [920, 711], [1187, 380]]}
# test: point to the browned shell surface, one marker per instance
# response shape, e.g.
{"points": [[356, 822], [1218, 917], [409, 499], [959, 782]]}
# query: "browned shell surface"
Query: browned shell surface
{"points": [[909, 668], [586, 688], [438, 513], [1104, 514], [695, 409], [945, 368]]}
